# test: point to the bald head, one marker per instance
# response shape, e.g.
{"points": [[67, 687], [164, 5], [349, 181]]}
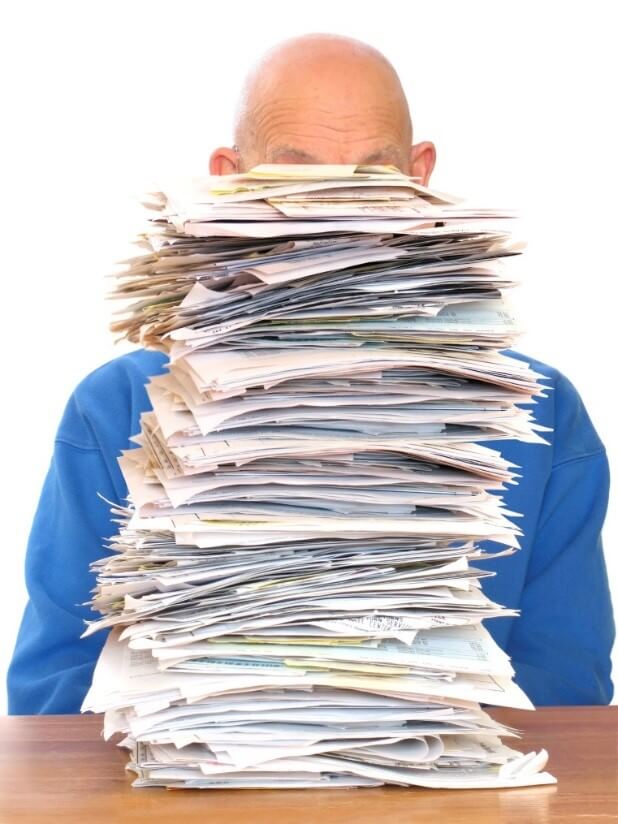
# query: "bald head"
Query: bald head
{"points": [[323, 98]]}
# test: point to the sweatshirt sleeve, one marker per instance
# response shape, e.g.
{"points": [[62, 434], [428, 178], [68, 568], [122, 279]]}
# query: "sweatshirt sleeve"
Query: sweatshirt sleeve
{"points": [[561, 644], [52, 666]]}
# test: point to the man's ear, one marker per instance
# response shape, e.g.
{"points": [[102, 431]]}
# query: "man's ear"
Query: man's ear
{"points": [[224, 161], [422, 161]]}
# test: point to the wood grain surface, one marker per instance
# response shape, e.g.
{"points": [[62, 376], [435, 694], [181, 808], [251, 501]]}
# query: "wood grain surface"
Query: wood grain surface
{"points": [[58, 768]]}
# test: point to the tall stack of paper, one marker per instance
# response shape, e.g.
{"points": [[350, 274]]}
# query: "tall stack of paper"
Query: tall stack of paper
{"points": [[292, 593]]}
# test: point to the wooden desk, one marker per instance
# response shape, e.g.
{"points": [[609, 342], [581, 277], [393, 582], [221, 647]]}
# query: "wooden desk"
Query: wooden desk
{"points": [[57, 768]]}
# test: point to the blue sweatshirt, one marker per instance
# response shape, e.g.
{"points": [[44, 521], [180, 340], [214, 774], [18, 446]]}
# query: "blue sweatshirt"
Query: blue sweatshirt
{"points": [[560, 646]]}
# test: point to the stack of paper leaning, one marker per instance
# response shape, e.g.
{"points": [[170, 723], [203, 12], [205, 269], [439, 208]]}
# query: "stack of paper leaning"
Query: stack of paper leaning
{"points": [[293, 590]]}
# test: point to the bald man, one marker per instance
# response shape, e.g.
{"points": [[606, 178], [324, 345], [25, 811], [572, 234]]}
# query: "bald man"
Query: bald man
{"points": [[323, 99], [327, 99]]}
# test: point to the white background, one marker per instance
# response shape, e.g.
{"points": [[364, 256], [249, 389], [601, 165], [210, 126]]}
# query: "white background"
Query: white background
{"points": [[104, 97]]}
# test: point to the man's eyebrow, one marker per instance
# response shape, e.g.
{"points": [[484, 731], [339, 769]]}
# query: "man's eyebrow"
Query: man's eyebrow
{"points": [[389, 152], [303, 156]]}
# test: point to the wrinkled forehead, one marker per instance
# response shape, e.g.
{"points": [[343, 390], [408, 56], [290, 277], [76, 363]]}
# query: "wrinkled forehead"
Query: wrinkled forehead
{"points": [[330, 127]]}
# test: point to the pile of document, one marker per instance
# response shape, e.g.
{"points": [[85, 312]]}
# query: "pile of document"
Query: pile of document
{"points": [[292, 593]]}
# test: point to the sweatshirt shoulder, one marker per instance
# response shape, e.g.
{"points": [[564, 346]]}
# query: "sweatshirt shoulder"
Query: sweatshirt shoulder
{"points": [[574, 435], [125, 370], [113, 394]]}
